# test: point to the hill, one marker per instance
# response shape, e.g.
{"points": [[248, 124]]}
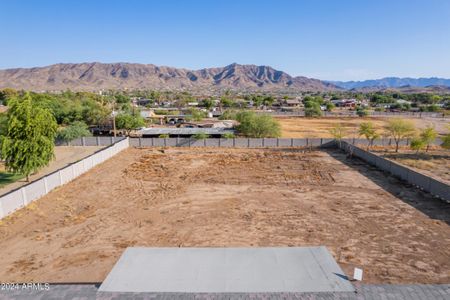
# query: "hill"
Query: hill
{"points": [[393, 82], [101, 76]]}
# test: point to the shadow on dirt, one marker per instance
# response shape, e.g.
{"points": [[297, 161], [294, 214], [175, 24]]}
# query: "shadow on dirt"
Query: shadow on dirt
{"points": [[432, 207]]}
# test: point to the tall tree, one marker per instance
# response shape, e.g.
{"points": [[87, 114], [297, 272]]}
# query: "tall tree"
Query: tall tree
{"points": [[399, 129], [129, 122], [428, 135], [29, 142], [368, 131]]}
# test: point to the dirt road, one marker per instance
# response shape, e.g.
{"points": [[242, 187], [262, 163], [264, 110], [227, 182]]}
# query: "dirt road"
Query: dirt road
{"points": [[228, 197]]}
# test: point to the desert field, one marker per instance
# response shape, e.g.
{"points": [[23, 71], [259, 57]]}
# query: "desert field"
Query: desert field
{"points": [[205, 197], [301, 127]]}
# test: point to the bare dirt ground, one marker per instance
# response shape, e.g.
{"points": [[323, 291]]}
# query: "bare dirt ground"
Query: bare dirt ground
{"points": [[434, 163], [206, 197], [301, 127], [64, 155]]}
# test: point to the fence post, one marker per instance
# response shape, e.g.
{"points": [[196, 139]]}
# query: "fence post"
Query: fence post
{"points": [[292, 142], [204, 142], [140, 142], [263, 142], [307, 142], [46, 185], [248, 142], [278, 142], [321, 142], [234, 142], [220, 141], [178, 141], [24, 196], [97, 141], [165, 142], [83, 141]]}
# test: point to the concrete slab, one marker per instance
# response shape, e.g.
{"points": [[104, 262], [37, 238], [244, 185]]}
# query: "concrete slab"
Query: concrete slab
{"points": [[226, 270]]}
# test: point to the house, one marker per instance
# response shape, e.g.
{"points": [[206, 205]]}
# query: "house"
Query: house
{"points": [[182, 132], [292, 102]]}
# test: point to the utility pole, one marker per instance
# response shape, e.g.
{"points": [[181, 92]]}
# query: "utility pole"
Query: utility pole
{"points": [[114, 116]]}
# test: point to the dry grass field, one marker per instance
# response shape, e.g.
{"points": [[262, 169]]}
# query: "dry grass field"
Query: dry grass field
{"points": [[434, 163], [301, 127], [187, 197]]}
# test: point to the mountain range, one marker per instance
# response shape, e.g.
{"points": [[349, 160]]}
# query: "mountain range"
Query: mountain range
{"points": [[393, 82], [103, 76], [100, 76]]}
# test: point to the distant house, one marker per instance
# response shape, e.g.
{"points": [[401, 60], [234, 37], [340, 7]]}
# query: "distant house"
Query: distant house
{"points": [[345, 102], [292, 102], [183, 132]]}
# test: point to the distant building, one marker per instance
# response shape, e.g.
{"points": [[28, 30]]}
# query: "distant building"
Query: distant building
{"points": [[183, 132]]}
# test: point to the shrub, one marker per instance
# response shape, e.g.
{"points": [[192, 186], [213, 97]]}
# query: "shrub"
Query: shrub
{"points": [[361, 112], [201, 136], [228, 115], [228, 135], [163, 136], [312, 109], [417, 144], [75, 130], [258, 126]]}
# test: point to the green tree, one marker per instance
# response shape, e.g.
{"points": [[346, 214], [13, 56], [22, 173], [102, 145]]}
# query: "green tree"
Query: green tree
{"points": [[197, 115], [417, 144], [399, 129], [208, 103], [330, 106], [446, 141], [338, 132], [312, 109], [129, 122], [226, 101], [258, 126], [28, 144], [361, 112], [428, 135], [7, 94], [368, 131], [228, 115], [75, 130]]}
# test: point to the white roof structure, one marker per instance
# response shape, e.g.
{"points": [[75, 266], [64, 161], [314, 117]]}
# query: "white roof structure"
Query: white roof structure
{"points": [[226, 270]]}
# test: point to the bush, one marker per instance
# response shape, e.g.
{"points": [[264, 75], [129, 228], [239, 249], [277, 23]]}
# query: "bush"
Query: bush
{"points": [[228, 115], [258, 126], [312, 109], [361, 112], [201, 136], [73, 131], [197, 115], [417, 144], [163, 136], [228, 135]]}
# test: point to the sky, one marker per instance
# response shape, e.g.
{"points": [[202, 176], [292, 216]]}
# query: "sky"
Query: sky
{"points": [[324, 39]]}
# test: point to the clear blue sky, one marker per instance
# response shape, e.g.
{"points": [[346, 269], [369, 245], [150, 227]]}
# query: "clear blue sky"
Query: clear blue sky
{"points": [[335, 39]]}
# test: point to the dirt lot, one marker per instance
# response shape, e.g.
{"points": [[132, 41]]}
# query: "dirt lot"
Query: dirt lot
{"points": [[300, 127], [229, 197], [64, 155], [434, 163]]}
